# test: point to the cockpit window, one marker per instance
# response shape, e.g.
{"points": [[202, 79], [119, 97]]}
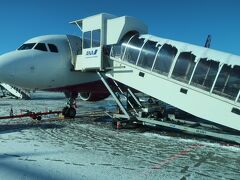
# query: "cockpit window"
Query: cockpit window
{"points": [[41, 47], [53, 48], [26, 46]]}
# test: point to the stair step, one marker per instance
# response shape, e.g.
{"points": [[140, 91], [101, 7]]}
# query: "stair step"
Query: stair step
{"points": [[16, 92]]}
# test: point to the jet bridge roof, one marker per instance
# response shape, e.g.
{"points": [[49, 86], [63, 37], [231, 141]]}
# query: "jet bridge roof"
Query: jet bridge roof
{"points": [[103, 16]]}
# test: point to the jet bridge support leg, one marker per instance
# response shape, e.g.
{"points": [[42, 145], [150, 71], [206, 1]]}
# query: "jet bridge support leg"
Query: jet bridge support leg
{"points": [[129, 116], [119, 103], [135, 98]]}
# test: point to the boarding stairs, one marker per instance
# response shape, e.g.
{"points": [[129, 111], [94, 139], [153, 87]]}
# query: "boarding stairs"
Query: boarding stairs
{"points": [[16, 92]]}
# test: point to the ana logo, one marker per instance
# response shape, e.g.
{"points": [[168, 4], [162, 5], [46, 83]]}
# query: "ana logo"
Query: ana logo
{"points": [[92, 52]]}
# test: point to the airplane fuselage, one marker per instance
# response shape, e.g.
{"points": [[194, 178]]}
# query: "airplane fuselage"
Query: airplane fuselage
{"points": [[41, 68]]}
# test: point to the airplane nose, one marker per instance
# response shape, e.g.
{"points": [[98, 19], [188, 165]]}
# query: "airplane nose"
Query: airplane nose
{"points": [[7, 68]]}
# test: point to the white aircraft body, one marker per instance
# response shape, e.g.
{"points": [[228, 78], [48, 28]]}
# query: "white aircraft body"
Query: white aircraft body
{"points": [[44, 63]]}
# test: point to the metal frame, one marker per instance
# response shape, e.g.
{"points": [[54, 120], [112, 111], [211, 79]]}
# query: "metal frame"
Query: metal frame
{"points": [[123, 56], [190, 130], [154, 61], [144, 42], [215, 80], [194, 69], [134, 97], [126, 97], [119, 103], [237, 96]]}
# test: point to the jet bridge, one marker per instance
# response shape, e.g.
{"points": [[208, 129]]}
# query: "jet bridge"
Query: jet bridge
{"points": [[99, 31], [198, 80], [191, 81], [188, 77]]}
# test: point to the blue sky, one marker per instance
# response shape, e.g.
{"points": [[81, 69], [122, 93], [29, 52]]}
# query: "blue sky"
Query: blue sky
{"points": [[184, 20]]}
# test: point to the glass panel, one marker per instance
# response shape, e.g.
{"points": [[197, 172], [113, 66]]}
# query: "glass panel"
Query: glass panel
{"points": [[205, 74], [133, 49], [118, 49], [86, 40], [41, 47], [147, 55], [200, 72], [26, 46], [164, 59], [228, 82], [222, 79], [233, 85], [96, 35], [53, 48], [211, 75], [184, 67]]}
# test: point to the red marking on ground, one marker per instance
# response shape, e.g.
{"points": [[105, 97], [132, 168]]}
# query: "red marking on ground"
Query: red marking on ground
{"points": [[175, 156]]}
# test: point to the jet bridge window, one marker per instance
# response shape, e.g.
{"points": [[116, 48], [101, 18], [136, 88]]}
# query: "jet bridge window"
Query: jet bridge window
{"points": [[86, 40], [133, 49], [117, 50], [164, 59], [26, 46], [205, 74], [53, 48], [184, 67], [41, 47], [96, 37], [147, 55], [228, 82]]}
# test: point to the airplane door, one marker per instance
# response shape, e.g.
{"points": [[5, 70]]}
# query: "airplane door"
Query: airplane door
{"points": [[75, 44]]}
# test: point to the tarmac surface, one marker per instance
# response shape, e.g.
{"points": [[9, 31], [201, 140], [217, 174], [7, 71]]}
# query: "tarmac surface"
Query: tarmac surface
{"points": [[89, 148]]}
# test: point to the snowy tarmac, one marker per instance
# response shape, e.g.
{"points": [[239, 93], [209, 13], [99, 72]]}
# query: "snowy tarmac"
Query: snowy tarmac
{"points": [[89, 148]]}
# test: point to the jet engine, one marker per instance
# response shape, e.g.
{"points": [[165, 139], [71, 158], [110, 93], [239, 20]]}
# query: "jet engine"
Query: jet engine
{"points": [[93, 96]]}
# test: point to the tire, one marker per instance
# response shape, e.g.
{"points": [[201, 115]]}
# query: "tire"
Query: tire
{"points": [[65, 111], [71, 112]]}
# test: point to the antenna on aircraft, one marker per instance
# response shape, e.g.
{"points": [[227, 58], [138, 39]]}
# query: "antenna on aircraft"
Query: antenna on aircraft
{"points": [[208, 41]]}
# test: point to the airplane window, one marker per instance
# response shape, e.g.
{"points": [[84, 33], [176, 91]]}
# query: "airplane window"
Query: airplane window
{"points": [[53, 48], [164, 59], [133, 49], [86, 40], [228, 82], [205, 74], [41, 47], [96, 37], [26, 46], [184, 67], [148, 54]]}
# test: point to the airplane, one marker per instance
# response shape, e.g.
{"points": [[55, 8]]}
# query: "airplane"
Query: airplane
{"points": [[44, 63]]}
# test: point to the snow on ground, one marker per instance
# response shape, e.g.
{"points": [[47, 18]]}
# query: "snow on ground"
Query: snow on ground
{"points": [[89, 148]]}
